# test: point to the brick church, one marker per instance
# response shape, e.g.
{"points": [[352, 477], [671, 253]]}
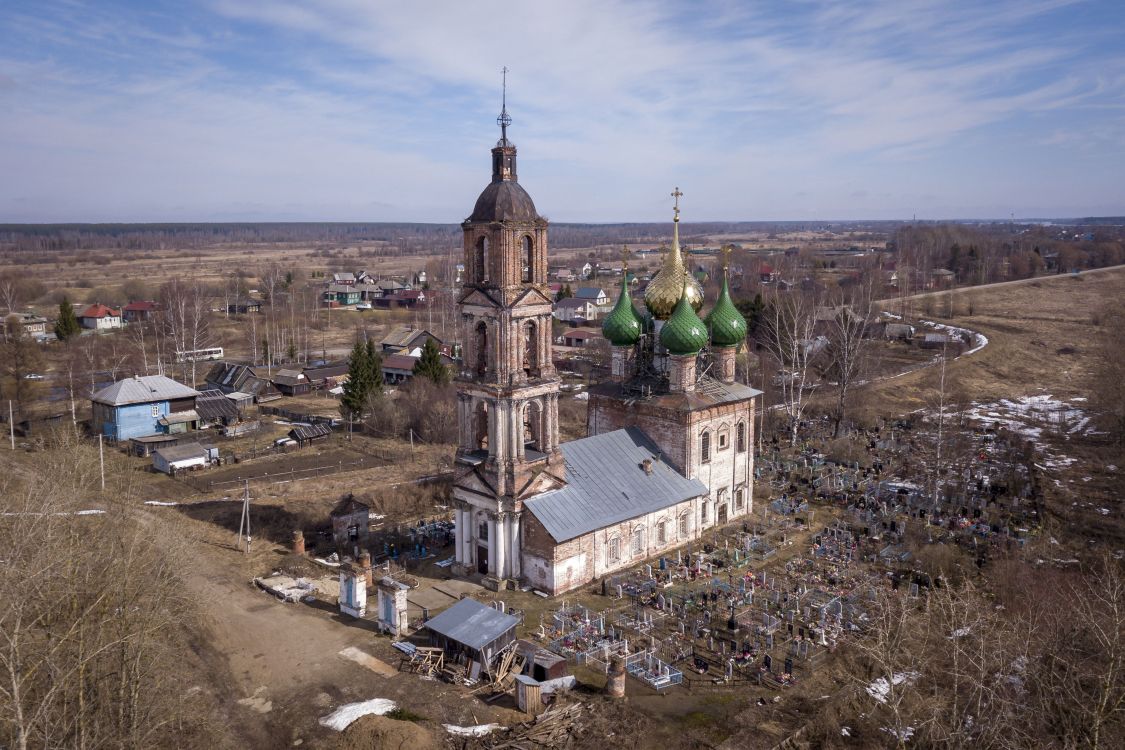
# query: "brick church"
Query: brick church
{"points": [[669, 451]]}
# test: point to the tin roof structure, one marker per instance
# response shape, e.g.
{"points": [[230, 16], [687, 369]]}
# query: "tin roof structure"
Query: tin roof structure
{"points": [[607, 483], [143, 389], [473, 624]]}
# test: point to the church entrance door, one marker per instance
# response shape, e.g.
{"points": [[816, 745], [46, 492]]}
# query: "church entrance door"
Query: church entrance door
{"points": [[723, 513], [482, 560]]}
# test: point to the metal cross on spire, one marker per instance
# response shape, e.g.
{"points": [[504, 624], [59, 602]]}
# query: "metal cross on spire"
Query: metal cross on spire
{"points": [[625, 253], [504, 120], [726, 250], [677, 195]]}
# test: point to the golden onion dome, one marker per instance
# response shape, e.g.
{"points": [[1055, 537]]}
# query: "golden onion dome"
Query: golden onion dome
{"points": [[667, 286]]}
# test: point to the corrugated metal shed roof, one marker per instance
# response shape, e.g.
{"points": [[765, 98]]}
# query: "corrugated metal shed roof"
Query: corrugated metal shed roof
{"points": [[472, 623], [174, 453], [310, 431], [142, 389], [212, 405], [607, 484]]}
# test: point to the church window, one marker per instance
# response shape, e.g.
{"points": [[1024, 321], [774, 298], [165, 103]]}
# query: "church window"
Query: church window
{"points": [[482, 531], [740, 437], [724, 439], [662, 532], [613, 550], [703, 510], [739, 498], [705, 448], [638, 541], [527, 256], [684, 526]]}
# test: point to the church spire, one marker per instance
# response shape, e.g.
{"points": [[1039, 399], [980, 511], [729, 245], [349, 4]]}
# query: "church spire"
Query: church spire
{"points": [[504, 153], [504, 120]]}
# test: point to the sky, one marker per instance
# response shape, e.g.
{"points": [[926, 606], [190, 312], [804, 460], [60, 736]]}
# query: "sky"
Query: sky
{"points": [[363, 110]]}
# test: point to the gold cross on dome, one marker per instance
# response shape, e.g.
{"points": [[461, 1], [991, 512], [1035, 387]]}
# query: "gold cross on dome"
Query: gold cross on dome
{"points": [[727, 249], [625, 257], [677, 195]]}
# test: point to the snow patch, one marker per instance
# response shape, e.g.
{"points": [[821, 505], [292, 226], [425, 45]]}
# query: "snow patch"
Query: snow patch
{"points": [[342, 717], [479, 730], [880, 689], [161, 503]]}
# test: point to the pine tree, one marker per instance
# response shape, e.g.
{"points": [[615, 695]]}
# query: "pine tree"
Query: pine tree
{"points": [[564, 293], [374, 362], [358, 385], [67, 325], [429, 365]]}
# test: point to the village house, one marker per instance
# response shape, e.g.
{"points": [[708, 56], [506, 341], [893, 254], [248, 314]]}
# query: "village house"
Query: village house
{"points": [[291, 382], [244, 306], [408, 298], [572, 310], [767, 274], [399, 368], [579, 336], [143, 405], [235, 379], [326, 376], [406, 338], [306, 434], [344, 278], [140, 310], [341, 295], [99, 317], [33, 325], [592, 294]]}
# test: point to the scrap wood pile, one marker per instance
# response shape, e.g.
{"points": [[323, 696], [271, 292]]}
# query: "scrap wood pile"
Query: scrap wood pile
{"points": [[502, 673], [554, 727]]}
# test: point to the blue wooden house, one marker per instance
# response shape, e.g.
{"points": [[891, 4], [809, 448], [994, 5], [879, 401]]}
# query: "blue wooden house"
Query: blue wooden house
{"points": [[144, 405]]}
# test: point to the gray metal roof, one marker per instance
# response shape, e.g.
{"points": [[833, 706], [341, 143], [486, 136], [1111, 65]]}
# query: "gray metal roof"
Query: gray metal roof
{"points": [[142, 389], [174, 453], [471, 623], [607, 484]]}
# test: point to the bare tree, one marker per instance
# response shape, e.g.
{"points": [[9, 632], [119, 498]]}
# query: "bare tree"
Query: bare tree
{"points": [[186, 317], [847, 345], [788, 323]]}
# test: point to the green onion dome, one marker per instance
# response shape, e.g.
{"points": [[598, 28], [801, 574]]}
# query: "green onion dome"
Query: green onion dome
{"points": [[728, 327], [684, 332], [623, 326]]}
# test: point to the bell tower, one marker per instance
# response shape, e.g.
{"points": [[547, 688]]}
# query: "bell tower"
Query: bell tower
{"points": [[507, 387]]}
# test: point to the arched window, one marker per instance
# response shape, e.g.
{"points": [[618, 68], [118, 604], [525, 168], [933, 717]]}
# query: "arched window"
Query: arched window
{"points": [[705, 448], [527, 256], [740, 437], [662, 532], [480, 426], [531, 349], [533, 425], [703, 509], [482, 348], [739, 498], [684, 525], [638, 541], [480, 261], [613, 551]]}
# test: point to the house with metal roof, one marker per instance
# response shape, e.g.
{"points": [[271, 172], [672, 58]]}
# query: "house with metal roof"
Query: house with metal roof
{"points": [[143, 405], [99, 317], [176, 458]]}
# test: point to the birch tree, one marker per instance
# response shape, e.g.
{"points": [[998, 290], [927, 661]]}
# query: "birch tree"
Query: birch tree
{"points": [[788, 323]]}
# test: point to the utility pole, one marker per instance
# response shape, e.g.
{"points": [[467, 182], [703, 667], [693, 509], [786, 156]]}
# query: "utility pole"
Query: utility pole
{"points": [[244, 522], [101, 459]]}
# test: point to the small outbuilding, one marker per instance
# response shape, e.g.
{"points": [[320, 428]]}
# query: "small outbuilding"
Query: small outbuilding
{"points": [[177, 458], [471, 631], [308, 433], [351, 522]]}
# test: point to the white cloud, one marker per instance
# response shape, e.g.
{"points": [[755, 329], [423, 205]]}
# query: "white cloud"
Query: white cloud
{"points": [[348, 109]]}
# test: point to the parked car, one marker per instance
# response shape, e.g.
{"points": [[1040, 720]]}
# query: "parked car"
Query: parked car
{"points": [[363, 306]]}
